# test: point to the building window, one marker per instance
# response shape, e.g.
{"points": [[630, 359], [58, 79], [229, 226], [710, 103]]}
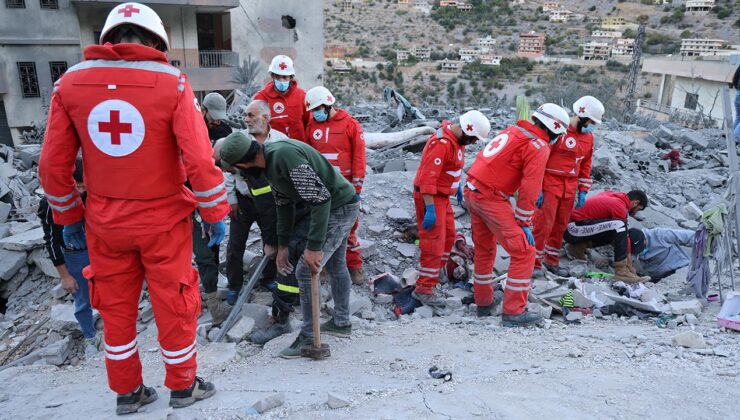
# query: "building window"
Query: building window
{"points": [[57, 69], [692, 100], [15, 4], [49, 4], [29, 80]]}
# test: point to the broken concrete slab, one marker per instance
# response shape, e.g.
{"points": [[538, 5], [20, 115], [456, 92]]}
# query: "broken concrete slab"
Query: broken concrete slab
{"points": [[4, 210], [359, 303], [268, 403], [407, 250], [395, 165], [335, 400], [691, 211], [25, 241], [241, 329], [409, 276], [259, 313], [215, 354], [39, 258], [57, 292], [398, 215], [689, 339], [10, 263], [424, 311], [684, 307], [694, 139], [57, 353]]}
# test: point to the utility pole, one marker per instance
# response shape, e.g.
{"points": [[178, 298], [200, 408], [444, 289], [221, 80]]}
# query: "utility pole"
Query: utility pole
{"points": [[629, 100]]}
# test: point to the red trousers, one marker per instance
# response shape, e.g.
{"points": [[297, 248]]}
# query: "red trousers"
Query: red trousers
{"points": [[435, 243], [354, 258], [118, 265], [551, 220], [492, 220]]}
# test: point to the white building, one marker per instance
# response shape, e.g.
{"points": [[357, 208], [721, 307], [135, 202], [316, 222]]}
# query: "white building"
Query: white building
{"points": [[596, 50], [606, 34], [490, 59], [696, 47], [689, 90], [422, 53], [550, 6], [402, 55], [699, 5], [560, 15], [624, 46], [486, 43], [468, 54], [450, 66]]}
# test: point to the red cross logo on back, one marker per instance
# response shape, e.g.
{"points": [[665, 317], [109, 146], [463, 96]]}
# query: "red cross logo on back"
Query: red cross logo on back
{"points": [[128, 11], [283, 66], [115, 127]]}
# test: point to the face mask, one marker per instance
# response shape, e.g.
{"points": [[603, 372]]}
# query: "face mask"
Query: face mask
{"points": [[281, 86], [588, 129], [320, 115]]}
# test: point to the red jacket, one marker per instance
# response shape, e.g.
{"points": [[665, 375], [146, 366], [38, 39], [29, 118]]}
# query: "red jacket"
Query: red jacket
{"points": [[288, 110], [441, 163], [141, 133], [340, 140], [514, 161], [570, 157], [604, 205]]}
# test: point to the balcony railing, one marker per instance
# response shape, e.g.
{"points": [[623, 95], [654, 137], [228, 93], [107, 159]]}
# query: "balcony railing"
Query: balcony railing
{"points": [[686, 117], [218, 58]]}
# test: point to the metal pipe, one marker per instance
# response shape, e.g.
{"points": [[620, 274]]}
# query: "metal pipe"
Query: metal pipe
{"points": [[732, 157]]}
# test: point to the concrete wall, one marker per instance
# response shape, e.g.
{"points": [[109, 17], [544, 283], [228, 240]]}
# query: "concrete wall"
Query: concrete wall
{"points": [[707, 91], [257, 30]]}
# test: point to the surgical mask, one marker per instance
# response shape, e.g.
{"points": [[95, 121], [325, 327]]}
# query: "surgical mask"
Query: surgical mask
{"points": [[588, 129], [281, 86], [320, 115]]}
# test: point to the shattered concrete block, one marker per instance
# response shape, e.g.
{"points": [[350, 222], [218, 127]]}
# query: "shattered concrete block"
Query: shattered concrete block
{"points": [[25, 241], [241, 329], [57, 292], [367, 249], [202, 330], [424, 312], [407, 250], [335, 400], [398, 215], [359, 303], [453, 302], [39, 258], [63, 317], [57, 353], [409, 276], [691, 319], [214, 333], [574, 316], [665, 132], [691, 211], [460, 293], [395, 165], [259, 313], [412, 165], [4, 209], [383, 298], [684, 307], [215, 354], [694, 138], [4, 230], [689, 339], [10, 263], [268, 403]]}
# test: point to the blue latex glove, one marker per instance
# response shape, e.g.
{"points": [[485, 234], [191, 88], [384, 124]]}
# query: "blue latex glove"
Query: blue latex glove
{"points": [[459, 195], [540, 200], [74, 235], [357, 196], [528, 232], [581, 199], [430, 217], [217, 232]]}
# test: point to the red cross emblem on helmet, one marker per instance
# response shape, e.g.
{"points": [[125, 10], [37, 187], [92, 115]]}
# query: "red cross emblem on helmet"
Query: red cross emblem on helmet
{"points": [[581, 110], [556, 124], [283, 66], [469, 127], [329, 98], [128, 11]]}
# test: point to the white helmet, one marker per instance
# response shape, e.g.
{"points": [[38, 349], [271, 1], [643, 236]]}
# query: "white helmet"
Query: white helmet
{"points": [[589, 107], [553, 116], [282, 65], [134, 14], [474, 123], [318, 96]]}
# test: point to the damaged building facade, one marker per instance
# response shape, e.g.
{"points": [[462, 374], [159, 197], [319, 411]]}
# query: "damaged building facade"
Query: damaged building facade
{"points": [[208, 38]]}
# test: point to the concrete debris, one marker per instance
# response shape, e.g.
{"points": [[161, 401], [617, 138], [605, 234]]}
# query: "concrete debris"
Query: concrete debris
{"points": [[241, 329], [407, 250], [689, 339], [10, 263], [57, 353], [335, 401], [25, 241], [694, 139], [692, 306], [146, 312], [398, 215], [260, 314], [268, 403], [409, 277], [424, 312], [216, 354], [57, 292], [39, 258]]}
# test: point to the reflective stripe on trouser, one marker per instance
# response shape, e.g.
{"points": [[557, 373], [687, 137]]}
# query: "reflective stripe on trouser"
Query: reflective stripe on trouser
{"points": [[435, 243], [492, 220], [118, 266], [600, 233], [551, 219], [354, 259]]}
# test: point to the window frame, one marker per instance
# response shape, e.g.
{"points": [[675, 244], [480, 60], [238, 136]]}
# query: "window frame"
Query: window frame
{"points": [[26, 93]]}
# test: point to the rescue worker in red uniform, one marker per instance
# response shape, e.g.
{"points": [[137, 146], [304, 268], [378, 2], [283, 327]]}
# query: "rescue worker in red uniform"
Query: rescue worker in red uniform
{"points": [[567, 180], [338, 137], [514, 161], [437, 178], [286, 99], [142, 135]]}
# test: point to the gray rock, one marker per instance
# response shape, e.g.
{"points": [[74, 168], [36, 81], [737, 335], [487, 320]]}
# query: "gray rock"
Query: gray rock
{"points": [[25, 241], [268, 403], [10, 263], [241, 329], [335, 401], [213, 333], [57, 292], [57, 353], [63, 317], [398, 215], [367, 248], [684, 307], [689, 339], [259, 313], [383, 299], [395, 165], [4, 230], [215, 354], [4, 208], [691, 319], [359, 303], [574, 316], [665, 132], [694, 139], [39, 258], [424, 312], [407, 250], [453, 302]]}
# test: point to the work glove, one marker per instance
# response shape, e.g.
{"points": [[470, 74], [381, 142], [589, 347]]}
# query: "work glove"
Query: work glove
{"points": [[540, 200], [459, 195], [74, 235], [430, 217], [581, 199], [528, 231], [217, 232]]}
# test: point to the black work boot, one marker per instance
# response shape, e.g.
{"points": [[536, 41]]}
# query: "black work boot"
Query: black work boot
{"points": [[199, 390], [523, 319], [273, 331], [131, 402], [498, 297]]}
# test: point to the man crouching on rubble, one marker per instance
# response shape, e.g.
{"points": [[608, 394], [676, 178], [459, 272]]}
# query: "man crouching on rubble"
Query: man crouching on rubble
{"points": [[298, 173]]}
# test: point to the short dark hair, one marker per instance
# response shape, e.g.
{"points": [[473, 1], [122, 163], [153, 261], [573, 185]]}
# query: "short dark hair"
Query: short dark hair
{"points": [[637, 241], [640, 196]]}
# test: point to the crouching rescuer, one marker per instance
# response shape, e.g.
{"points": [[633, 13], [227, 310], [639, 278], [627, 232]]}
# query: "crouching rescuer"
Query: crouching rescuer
{"points": [[514, 161], [142, 134]]}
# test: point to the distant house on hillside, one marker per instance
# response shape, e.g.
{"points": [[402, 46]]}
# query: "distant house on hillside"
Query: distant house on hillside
{"points": [[699, 5], [531, 44]]}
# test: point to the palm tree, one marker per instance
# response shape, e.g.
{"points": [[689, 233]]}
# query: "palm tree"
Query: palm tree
{"points": [[245, 76]]}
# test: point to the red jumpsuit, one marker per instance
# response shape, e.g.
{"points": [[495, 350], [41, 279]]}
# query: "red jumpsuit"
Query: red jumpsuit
{"points": [[568, 171], [340, 140], [142, 134], [288, 110], [513, 161], [438, 175]]}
